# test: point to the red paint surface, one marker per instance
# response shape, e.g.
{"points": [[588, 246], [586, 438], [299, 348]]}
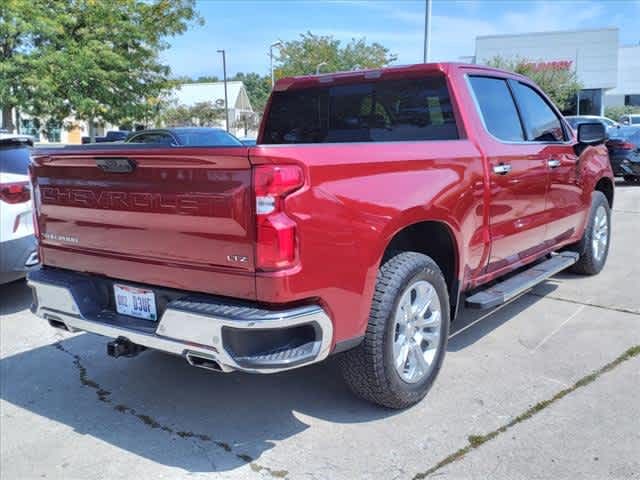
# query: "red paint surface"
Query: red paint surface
{"points": [[175, 220]]}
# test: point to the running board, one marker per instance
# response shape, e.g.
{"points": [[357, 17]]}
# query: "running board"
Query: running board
{"points": [[518, 284]]}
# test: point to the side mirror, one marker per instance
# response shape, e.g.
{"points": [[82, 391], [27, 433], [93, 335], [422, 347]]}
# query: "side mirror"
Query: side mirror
{"points": [[591, 133]]}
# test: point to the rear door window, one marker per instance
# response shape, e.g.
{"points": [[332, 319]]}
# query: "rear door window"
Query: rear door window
{"points": [[14, 159], [540, 121], [379, 111], [497, 108]]}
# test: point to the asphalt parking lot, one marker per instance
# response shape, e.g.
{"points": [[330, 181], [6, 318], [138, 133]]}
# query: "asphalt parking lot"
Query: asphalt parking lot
{"points": [[540, 388]]}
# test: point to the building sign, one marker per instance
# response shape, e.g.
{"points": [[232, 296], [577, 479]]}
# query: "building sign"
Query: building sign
{"points": [[553, 65]]}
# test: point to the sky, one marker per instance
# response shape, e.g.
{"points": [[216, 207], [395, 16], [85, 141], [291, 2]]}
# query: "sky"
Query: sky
{"points": [[246, 28]]}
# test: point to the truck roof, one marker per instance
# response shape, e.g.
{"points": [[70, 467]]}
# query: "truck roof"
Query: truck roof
{"points": [[396, 71]]}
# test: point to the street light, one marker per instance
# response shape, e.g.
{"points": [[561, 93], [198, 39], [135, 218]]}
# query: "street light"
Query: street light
{"points": [[427, 31], [321, 64], [226, 101], [279, 45]]}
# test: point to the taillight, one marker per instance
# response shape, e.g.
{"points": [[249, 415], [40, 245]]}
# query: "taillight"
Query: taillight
{"points": [[15, 192], [620, 145], [276, 242]]}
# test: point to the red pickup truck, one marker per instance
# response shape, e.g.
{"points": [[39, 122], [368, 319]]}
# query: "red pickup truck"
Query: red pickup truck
{"points": [[373, 202]]}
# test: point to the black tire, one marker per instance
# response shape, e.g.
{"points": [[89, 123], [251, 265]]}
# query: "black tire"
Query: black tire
{"points": [[369, 368], [589, 263]]}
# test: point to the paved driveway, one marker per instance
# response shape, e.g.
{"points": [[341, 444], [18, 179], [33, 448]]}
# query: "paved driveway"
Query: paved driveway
{"points": [[540, 388]]}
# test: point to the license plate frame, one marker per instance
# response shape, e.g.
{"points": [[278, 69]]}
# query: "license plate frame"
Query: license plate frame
{"points": [[135, 302]]}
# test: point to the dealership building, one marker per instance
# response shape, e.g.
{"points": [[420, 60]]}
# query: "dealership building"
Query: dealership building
{"points": [[609, 72]]}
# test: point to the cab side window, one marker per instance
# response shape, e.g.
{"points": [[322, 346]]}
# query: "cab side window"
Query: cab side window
{"points": [[540, 121]]}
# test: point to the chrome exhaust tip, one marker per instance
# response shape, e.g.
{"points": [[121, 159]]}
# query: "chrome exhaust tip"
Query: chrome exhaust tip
{"points": [[200, 361]]}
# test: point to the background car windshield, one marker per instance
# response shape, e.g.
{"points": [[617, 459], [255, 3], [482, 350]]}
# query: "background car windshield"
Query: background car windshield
{"points": [[14, 159], [152, 138], [625, 133], [383, 111], [208, 138]]}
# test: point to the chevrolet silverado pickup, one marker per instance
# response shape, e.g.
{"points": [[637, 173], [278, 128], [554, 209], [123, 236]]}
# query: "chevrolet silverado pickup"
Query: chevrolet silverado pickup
{"points": [[374, 203]]}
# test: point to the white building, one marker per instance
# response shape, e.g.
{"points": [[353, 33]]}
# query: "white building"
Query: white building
{"points": [[609, 73], [53, 132], [189, 94]]}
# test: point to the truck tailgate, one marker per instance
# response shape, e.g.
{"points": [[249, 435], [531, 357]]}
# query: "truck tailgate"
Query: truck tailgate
{"points": [[177, 217]]}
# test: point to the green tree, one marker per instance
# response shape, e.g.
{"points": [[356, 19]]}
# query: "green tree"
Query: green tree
{"points": [[24, 26], [96, 60], [614, 113], [176, 116], [560, 84], [303, 56], [207, 79], [202, 114], [206, 114]]}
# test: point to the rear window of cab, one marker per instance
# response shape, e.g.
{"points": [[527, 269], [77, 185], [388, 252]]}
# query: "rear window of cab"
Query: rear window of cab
{"points": [[371, 111]]}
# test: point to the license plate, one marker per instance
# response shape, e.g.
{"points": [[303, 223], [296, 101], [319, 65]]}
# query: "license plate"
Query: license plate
{"points": [[136, 302]]}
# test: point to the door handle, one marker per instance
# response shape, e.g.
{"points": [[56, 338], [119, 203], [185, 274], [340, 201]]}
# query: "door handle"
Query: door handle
{"points": [[502, 169], [553, 163]]}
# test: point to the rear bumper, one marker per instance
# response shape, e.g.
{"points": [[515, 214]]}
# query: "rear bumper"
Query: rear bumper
{"points": [[205, 330]]}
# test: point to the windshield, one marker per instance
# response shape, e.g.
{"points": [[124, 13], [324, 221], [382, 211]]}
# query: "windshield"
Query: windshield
{"points": [[207, 138], [624, 133]]}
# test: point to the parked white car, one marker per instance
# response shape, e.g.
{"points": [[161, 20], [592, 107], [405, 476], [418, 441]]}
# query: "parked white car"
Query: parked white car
{"points": [[632, 119], [18, 253]]}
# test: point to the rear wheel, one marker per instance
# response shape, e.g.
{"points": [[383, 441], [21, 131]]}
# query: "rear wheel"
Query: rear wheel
{"points": [[406, 337], [594, 246]]}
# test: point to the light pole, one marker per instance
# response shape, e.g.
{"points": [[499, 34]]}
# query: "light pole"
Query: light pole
{"points": [[226, 100], [279, 45], [427, 31], [321, 64]]}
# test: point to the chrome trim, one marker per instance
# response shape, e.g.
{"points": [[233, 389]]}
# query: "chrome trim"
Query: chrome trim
{"points": [[569, 142], [502, 169], [553, 163], [32, 260], [183, 332]]}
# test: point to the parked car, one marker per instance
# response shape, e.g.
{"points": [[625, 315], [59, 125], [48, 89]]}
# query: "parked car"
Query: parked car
{"points": [[18, 251], [632, 119], [574, 120], [250, 142], [624, 153], [185, 136], [111, 136], [352, 228]]}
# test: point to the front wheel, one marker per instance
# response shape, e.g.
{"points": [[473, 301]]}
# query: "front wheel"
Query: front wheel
{"points": [[594, 246], [406, 337]]}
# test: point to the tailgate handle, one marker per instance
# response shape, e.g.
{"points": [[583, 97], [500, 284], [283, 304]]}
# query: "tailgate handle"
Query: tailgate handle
{"points": [[502, 169], [116, 164]]}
